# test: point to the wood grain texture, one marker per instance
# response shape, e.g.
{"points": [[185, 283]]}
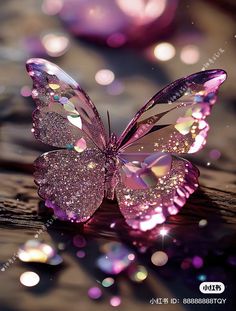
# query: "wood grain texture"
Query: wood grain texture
{"points": [[21, 206]]}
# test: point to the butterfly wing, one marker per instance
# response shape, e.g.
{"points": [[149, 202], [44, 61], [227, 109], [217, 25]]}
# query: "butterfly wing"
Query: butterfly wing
{"points": [[174, 119], [70, 180], [72, 183], [153, 187], [153, 181], [65, 115]]}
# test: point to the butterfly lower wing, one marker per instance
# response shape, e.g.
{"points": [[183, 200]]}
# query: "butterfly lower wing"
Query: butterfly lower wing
{"points": [[174, 120], [72, 183], [65, 115], [161, 192]]}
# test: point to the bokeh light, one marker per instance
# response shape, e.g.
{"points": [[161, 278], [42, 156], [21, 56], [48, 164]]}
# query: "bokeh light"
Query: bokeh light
{"points": [[115, 301], [116, 258], [202, 223], [36, 251], [55, 44], [202, 277], [142, 11], [52, 7], [115, 88], [197, 262], [107, 282], [29, 279], [25, 91], [104, 77], [131, 256], [164, 51], [190, 54], [186, 264], [138, 274], [159, 258], [79, 240], [94, 292], [80, 254], [214, 154]]}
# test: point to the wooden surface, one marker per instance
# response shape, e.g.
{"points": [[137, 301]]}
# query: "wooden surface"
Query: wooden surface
{"points": [[23, 216]]}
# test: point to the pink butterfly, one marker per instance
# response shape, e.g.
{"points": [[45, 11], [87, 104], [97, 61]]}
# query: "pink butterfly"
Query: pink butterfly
{"points": [[142, 167]]}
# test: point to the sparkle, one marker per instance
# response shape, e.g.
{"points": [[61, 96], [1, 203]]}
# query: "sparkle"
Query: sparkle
{"points": [[54, 86], [91, 165], [163, 231]]}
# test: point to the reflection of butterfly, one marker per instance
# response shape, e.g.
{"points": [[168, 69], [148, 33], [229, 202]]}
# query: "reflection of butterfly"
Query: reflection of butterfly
{"points": [[141, 167]]}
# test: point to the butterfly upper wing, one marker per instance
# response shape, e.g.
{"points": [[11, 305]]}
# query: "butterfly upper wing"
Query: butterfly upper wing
{"points": [[153, 182], [65, 115], [174, 119], [72, 183]]}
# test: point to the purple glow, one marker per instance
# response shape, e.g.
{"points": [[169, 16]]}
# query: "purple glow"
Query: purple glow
{"points": [[94, 293], [80, 254], [79, 241], [25, 91], [214, 154], [197, 262], [115, 88]]}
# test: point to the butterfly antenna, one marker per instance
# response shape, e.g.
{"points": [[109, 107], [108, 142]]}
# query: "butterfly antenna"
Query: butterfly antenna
{"points": [[109, 123]]}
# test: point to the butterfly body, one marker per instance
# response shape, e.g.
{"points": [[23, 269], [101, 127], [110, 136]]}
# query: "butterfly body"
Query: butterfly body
{"points": [[143, 168], [111, 167]]}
